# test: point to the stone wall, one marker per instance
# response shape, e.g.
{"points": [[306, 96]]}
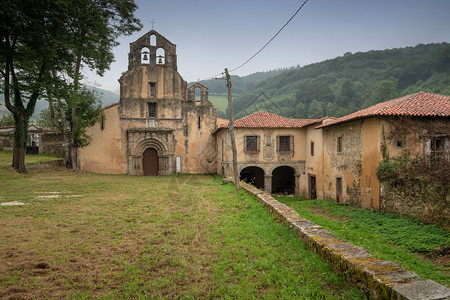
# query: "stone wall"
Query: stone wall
{"points": [[51, 143], [418, 200], [6, 142], [345, 164]]}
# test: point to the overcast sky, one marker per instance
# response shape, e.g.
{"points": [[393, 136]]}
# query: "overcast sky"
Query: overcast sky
{"points": [[214, 34]]}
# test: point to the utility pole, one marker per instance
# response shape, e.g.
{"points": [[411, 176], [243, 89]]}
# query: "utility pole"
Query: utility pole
{"points": [[231, 127]]}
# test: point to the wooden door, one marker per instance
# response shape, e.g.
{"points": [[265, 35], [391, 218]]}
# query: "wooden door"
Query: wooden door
{"points": [[150, 162]]}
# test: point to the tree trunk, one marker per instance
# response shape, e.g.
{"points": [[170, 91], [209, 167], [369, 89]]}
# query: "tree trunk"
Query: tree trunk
{"points": [[67, 139], [19, 149], [74, 143], [231, 127]]}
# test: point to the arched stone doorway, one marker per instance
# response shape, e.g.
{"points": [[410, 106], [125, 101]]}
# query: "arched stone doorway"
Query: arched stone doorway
{"points": [[283, 180], [150, 162], [254, 176]]}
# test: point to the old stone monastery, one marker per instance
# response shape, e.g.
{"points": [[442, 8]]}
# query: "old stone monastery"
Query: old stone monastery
{"points": [[159, 128]]}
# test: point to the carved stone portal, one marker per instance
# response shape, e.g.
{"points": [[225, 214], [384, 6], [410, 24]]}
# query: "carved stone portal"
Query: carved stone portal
{"points": [[160, 139]]}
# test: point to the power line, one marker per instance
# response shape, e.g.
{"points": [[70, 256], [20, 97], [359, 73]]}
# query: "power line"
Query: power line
{"points": [[259, 51], [253, 56]]}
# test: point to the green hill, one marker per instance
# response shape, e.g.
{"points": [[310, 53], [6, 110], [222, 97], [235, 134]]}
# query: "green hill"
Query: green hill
{"points": [[348, 83]]}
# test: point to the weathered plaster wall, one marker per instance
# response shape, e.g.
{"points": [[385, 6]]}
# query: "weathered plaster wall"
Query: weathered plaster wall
{"points": [[314, 163], [346, 164], [412, 132], [268, 157], [371, 141], [106, 152], [415, 197]]}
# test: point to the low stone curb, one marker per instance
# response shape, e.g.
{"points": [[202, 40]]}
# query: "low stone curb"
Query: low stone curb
{"points": [[46, 165], [385, 279]]}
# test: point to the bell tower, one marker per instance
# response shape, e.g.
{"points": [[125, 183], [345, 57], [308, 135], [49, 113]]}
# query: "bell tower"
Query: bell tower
{"points": [[154, 50]]}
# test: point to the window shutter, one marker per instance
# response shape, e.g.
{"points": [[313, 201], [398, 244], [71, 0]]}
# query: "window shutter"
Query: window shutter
{"points": [[292, 144], [427, 146], [278, 143], [245, 143], [258, 141]]}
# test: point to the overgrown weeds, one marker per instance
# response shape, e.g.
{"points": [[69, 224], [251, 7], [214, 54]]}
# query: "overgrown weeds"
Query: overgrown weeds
{"points": [[385, 235]]}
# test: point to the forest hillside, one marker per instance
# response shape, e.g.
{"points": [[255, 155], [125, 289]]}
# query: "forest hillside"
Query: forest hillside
{"points": [[342, 85]]}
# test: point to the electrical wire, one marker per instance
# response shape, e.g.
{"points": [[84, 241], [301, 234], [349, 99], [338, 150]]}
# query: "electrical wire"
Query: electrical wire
{"points": [[259, 51], [253, 56]]}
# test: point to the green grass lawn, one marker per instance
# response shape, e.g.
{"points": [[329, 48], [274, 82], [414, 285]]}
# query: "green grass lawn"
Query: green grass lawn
{"points": [[418, 247], [83, 235], [6, 158]]}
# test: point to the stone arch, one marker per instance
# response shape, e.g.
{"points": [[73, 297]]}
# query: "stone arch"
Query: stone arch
{"points": [[203, 92], [283, 180], [145, 55], [253, 175], [140, 139], [153, 39], [160, 56], [160, 146]]}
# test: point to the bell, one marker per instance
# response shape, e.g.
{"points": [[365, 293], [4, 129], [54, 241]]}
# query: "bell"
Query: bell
{"points": [[160, 60], [145, 56]]}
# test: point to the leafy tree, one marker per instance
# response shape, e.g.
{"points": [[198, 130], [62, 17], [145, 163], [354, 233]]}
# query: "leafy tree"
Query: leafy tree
{"points": [[94, 26], [319, 90], [30, 43], [315, 110], [346, 94], [7, 120], [89, 112], [301, 110], [386, 90], [443, 60]]}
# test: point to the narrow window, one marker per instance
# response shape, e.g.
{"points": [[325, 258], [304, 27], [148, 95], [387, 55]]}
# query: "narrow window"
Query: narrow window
{"points": [[251, 143], [152, 110], [199, 122], [152, 89], [102, 123], [153, 40], [339, 144], [284, 143], [312, 148]]}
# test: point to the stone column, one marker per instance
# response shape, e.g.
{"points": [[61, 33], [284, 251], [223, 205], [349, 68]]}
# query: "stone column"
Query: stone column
{"points": [[297, 184], [268, 183]]}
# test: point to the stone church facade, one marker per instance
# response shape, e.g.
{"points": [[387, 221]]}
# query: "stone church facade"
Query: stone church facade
{"points": [[158, 127]]}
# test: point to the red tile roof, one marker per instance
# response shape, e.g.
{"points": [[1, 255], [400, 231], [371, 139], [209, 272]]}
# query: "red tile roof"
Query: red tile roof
{"points": [[263, 119], [420, 104]]}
